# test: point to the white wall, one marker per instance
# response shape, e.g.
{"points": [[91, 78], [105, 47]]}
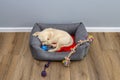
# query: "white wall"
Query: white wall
{"points": [[92, 12]]}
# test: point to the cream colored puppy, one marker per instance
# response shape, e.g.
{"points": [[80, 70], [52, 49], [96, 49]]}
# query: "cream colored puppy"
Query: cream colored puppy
{"points": [[54, 37]]}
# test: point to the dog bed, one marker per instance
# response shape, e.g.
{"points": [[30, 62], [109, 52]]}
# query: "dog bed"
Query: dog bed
{"points": [[76, 29]]}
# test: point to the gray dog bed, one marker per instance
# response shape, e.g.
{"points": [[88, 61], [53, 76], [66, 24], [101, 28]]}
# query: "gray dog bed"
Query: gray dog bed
{"points": [[77, 29]]}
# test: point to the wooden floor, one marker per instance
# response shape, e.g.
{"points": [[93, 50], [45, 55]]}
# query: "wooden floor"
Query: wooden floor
{"points": [[101, 63]]}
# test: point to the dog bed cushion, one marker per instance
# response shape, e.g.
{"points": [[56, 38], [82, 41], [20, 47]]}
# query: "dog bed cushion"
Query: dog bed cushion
{"points": [[76, 29]]}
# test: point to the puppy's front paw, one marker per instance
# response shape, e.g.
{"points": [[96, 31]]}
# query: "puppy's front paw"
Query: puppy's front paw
{"points": [[51, 50], [53, 45]]}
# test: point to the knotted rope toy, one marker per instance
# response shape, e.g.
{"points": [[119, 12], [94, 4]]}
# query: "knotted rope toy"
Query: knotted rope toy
{"points": [[66, 61]]}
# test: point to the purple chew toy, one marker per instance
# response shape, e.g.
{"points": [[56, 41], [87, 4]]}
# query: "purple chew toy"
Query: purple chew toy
{"points": [[44, 73]]}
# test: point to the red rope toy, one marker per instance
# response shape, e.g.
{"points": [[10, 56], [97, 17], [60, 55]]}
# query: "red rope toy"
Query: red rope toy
{"points": [[66, 61]]}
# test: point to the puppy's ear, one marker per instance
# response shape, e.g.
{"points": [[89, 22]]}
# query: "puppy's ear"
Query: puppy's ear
{"points": [[36, 34]]}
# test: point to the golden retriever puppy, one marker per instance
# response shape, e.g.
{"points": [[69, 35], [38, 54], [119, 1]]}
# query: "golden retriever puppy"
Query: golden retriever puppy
{"points": [[54, 37]]}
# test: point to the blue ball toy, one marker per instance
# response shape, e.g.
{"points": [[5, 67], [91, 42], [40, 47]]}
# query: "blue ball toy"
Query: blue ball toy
{"points": [[44, 47]]}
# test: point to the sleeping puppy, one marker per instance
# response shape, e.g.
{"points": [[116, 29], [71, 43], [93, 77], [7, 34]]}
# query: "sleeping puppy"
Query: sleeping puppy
{"points": [[54, 37]]}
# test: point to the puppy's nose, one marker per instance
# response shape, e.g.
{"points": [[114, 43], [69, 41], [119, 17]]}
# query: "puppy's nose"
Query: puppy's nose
{"points": [[43, 43]]}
